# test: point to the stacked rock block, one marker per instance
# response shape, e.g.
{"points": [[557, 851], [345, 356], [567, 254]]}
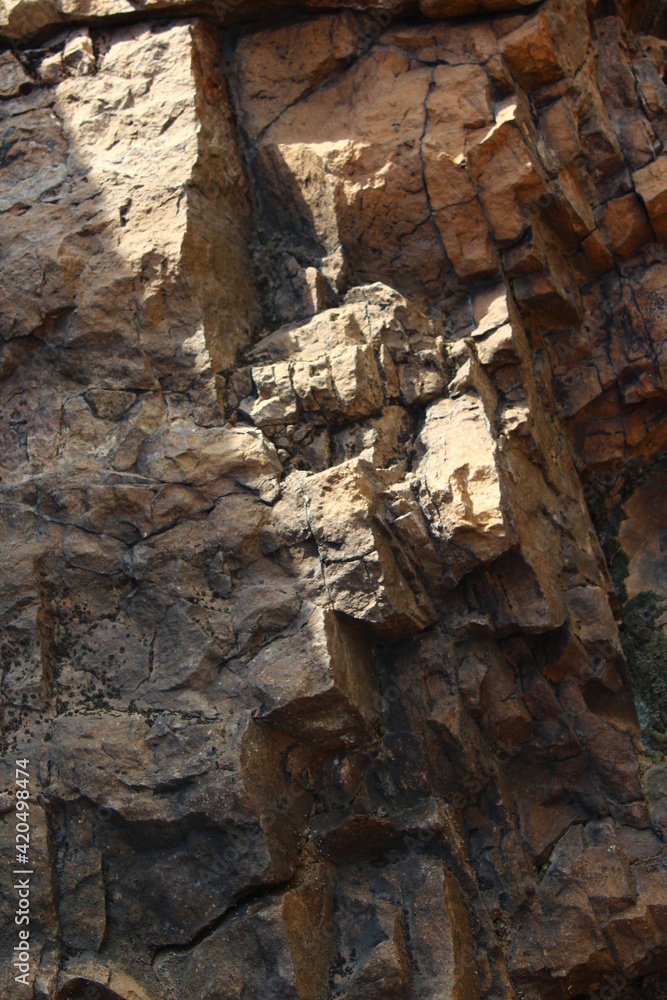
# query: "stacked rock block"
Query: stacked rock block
{"points": [[316, 327]]}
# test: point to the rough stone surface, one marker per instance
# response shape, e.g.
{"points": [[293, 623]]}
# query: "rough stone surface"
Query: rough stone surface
{"points": [[333, 395]]}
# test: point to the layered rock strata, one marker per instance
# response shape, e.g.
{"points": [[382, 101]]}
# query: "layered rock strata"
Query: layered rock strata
{"points": [[333, 404]]}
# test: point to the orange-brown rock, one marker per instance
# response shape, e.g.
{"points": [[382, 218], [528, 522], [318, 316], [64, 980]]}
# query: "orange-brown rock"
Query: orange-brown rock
{"points": [[625, 226], [651, 185], [333, 598]]}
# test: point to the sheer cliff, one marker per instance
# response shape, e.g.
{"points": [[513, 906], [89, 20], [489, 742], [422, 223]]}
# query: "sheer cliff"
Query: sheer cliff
{"points": [[333, 400]]}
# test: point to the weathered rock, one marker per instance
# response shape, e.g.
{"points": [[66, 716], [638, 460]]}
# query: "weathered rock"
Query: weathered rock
{"points": [[651, 184], [549, 45], [641, 535], [625, 225], [13, 78], [320, 335]]}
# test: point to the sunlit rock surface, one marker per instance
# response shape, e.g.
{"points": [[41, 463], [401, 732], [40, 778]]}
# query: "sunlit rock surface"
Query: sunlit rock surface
{"points": [[333, 407]]}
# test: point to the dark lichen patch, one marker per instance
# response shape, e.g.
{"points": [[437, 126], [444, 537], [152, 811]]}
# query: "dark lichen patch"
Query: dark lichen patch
{"points": [[607, 522], [644, 988], [605, 496], [642, 634], [645, 646]]}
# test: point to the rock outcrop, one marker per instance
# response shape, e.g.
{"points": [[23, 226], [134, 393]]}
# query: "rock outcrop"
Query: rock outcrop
{"points": [[334, 405]]}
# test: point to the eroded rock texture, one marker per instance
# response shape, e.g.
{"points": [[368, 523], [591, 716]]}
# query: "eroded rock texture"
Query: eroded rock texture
{"points": [[333, 402]]}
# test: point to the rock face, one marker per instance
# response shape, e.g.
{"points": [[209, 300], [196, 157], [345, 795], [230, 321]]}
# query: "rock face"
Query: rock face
{"points": [[334, 397]]}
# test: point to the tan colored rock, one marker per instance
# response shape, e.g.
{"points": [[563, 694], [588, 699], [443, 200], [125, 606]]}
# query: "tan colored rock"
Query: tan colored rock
{"points": [[458, 106], [508, 177], [382, 443], [465, 235], [462, 490], [626, 226], [548, 45], [359, 568], [316, 684], [52, 69], [305, 395], [651, 185], [356, 381], [329, 364], [183, 453], [558, 127], [152, 234], [276, 400], [26, 18], [78, 55], [365, 195], [296, 60], [13, 77]]}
